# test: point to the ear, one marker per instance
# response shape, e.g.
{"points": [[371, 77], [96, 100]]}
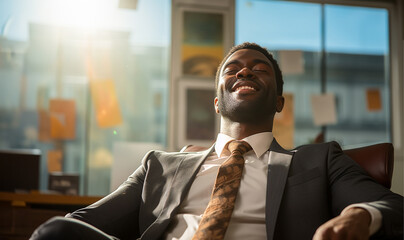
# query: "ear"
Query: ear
{"points": [[216, 105], [280, 101]]}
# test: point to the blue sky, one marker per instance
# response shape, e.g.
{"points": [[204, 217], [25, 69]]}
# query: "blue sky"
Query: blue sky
{"points": [[275, 24], [292, 25], [90, 14]]}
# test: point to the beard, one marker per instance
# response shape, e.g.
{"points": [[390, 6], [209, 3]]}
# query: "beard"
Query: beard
{"points": [[252, 111]]}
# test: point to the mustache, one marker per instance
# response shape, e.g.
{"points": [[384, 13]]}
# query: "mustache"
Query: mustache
{"points": [[230, 82]]}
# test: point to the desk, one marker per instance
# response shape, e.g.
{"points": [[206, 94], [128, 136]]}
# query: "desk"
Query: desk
{"points": [[21, 213]]}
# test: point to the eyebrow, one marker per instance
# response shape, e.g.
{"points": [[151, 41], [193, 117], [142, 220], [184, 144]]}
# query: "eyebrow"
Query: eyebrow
{"points": [[256, 61], [262, 61]]}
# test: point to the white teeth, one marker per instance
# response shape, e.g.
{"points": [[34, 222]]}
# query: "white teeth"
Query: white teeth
{"points": [[245, 87]]}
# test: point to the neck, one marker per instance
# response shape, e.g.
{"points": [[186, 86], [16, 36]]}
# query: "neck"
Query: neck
{"points": [[239, 130]]}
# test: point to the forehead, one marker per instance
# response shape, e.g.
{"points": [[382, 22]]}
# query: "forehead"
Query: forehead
{"points": [[244, 55]]}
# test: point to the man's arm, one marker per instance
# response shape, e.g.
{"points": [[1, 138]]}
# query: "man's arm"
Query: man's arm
{"points": [[118, 213], [350, 184]]}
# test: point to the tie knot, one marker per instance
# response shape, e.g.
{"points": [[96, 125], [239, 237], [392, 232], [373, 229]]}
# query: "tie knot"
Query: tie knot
{"points": [[239, 147]]}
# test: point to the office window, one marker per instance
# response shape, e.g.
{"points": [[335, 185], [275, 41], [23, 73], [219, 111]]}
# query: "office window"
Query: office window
{"points": [[339, 54], [77, 77], [357, 72]]}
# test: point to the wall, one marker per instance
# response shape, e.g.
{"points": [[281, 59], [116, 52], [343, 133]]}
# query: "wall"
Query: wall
{"points": [[398, 99]]}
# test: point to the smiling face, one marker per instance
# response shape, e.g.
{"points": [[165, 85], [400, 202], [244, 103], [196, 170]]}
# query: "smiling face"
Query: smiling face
{"points": [[247, 90]]}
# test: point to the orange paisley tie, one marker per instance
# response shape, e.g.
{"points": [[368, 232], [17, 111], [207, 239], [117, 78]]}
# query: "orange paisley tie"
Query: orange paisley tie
{"points": [[217, 215]]}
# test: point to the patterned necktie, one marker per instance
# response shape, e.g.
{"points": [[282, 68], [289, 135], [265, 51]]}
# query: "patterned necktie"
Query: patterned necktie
{"points": [[217, 215]]}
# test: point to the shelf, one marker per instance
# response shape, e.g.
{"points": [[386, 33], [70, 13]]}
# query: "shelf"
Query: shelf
{"points": [[18, 199]]}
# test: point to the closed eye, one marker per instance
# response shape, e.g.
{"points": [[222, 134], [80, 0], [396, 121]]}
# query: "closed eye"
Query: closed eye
{"points": [[261, 67], [230, 71]]}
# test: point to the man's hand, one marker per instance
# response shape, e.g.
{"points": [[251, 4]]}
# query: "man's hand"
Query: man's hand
{"points": [[354, 224]]}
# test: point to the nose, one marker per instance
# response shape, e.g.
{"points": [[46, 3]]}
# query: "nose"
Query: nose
{"points": [[244, 73]]}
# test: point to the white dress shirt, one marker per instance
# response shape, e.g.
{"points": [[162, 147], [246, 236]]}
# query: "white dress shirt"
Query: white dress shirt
{"points": [[248, 218]]}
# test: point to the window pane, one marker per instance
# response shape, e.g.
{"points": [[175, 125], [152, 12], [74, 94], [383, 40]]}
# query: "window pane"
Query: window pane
{"points": [[292, 32], [279, 25], [76, 77], [356, 44], [357, 73]]}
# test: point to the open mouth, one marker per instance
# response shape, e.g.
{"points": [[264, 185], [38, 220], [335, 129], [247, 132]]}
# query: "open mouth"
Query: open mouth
{"points": [[245, 87]]}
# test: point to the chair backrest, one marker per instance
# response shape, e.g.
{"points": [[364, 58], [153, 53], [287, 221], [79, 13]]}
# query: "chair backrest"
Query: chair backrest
{"points": [[377, 160]]}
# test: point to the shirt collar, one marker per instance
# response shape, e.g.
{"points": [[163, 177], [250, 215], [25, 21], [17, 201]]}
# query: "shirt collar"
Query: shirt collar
{"points": [[259, 142]]}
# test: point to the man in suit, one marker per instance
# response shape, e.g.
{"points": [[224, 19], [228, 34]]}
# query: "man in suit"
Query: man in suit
{"points": [[314, 191]]}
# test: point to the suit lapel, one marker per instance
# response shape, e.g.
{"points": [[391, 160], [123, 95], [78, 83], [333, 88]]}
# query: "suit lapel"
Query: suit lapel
{"points": [[278, 169], [180, 185], [183, 179]]}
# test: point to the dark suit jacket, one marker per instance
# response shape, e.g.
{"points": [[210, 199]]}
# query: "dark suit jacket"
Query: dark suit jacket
{"points": [[306, 187]]}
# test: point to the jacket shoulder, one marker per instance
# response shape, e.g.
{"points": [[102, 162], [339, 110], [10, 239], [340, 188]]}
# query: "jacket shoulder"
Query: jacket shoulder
{"points": [[318, 146]]}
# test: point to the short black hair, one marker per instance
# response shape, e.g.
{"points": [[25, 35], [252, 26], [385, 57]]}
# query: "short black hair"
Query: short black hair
{"points": [[254, 46]]}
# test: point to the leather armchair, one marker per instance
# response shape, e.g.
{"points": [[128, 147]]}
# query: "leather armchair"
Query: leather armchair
{"points": [[377, 160]]}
